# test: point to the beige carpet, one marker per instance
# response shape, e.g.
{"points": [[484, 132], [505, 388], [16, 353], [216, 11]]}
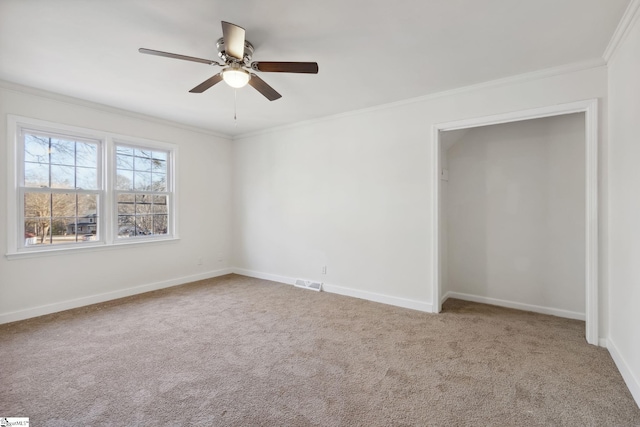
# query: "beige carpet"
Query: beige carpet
{"points": [[235, 351]]}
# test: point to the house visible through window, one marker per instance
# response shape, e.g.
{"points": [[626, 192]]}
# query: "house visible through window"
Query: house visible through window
{"points": [[86, 188]]}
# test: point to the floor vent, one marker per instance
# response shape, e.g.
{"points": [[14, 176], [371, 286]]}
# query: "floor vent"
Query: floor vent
{"points": [[308, 284]]}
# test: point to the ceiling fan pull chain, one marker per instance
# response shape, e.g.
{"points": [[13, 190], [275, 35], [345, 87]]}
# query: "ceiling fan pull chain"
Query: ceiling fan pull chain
{"points": [[235, 107]]}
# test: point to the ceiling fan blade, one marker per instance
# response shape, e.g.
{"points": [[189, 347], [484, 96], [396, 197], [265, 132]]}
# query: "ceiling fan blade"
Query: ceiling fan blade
{"points": [[176, 56], [262, 87], [233, 36], [286, 67], [207, 84]]}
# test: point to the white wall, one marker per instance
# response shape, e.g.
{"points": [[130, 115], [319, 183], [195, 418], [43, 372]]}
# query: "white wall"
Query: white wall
{"points": [[31, 286], [516, 214], [624, 205], [353, 192]]}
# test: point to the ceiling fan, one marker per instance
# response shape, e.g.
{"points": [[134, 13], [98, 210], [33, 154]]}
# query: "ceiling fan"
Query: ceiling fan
{"points": [[236, 52]]}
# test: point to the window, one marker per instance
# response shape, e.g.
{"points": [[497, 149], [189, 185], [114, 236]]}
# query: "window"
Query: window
{"points": [[76, 188], [141, 191], [60, 188]]}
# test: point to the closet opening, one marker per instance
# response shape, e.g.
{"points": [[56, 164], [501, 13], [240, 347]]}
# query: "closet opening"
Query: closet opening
{"points": [[516, 212]]}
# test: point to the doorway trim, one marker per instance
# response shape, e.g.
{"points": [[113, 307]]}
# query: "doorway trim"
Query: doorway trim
{"points": [[590, 109]]}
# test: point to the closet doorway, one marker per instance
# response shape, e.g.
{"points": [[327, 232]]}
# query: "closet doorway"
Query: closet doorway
{"points": [[515, 218]]}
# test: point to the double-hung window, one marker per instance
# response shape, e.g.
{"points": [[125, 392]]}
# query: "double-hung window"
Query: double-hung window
{"points": [[76, 188], [141, 191], [60, 188]]}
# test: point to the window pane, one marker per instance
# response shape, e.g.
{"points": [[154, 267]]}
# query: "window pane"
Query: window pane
{"points": [[142, 181], [88, 205], [30, 233], [143, 204], [86, 154], [37, 205], [126, 226], [124, 162], [124, 150], [64, 205], [158, 182], [144, 224], [160, 224], [62, 176], [159, 162], [124, 180], [59, 231], [36, 149], [87, 178], [142, 161], [71, 228], [160, 204], [37, 231], [63, 152], [36, 174], [160, 155], [126, 204], [87, 227]]}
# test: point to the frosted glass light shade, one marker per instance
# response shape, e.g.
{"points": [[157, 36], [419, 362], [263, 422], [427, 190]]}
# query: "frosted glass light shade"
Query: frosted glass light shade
{"points": [[236, 77]]}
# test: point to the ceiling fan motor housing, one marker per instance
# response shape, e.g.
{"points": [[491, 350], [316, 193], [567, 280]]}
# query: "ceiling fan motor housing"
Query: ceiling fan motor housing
{"points": [[222, 53]]}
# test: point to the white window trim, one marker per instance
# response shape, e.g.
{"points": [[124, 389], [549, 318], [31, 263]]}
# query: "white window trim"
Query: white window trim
{"points": [[107, 169]]}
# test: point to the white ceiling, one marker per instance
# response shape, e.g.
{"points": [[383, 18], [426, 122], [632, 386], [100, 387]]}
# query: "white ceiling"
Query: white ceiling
{"points": [[370, 52]]}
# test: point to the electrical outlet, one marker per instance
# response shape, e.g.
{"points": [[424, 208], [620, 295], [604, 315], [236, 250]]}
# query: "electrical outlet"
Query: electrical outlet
{"points": [[199, 261], [324, 269]]}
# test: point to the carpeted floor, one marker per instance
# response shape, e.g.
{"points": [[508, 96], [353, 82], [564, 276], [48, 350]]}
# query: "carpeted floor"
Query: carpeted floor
{"points": [[236, 351]]}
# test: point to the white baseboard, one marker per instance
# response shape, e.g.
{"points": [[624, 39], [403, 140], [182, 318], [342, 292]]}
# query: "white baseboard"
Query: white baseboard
{"points": [[341, 290], [381, 298], [28, 313], [265, 276], [445, 297], [627, 374], [517, 305]]}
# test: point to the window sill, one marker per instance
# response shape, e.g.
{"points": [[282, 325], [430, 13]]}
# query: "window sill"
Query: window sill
{"points": [[87, 248]]}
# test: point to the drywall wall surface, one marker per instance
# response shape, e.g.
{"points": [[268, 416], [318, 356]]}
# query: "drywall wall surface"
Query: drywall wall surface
{"points": [[624, 207], [516, 213], [203, 189], [353, 192]]}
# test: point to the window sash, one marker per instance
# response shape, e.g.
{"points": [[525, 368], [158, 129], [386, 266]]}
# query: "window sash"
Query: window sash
{"points": [[51, 215], [70, 137], [124, 232]]}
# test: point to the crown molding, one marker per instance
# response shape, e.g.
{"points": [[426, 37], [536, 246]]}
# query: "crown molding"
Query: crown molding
{"points": [[624, 26], [15, 87], [518, 78]]}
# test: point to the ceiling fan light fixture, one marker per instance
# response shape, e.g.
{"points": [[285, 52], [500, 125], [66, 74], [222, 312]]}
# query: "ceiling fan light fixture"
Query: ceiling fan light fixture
{"points": [[236, 77]]}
